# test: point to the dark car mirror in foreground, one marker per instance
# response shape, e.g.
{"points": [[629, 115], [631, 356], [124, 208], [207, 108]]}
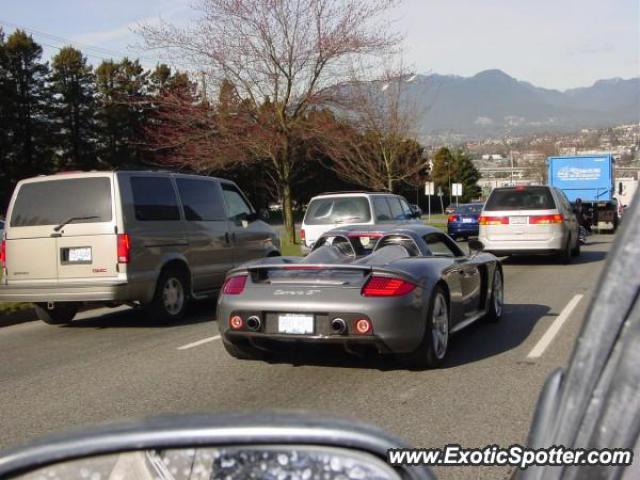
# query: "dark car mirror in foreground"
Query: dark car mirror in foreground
{"points": [[475, 246], [215, 447], [594, 402]]}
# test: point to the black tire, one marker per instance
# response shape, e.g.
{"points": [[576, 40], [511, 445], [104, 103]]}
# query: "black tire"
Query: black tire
{"points": [[575, 252], [496, 302], [426, 356], [243, 352], [171, 297], [565, 255], [61, 314]]}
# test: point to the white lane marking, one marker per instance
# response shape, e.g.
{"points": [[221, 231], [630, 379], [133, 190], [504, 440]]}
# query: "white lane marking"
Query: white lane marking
{"points": [[554, 328], [199, 342]]}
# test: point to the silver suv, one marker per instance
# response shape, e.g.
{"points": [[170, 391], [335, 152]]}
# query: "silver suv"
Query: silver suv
{"points": [[529, 220], [339, 209], [128, 237]]}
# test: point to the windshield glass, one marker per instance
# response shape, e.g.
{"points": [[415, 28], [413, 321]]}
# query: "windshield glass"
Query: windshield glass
{"points": [[530, 198], [87, 200], [338, 210], [470, 209]]}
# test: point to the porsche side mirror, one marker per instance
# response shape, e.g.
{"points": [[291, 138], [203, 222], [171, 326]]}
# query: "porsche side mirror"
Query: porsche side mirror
{"points": [[475, 246], [265, 445]]}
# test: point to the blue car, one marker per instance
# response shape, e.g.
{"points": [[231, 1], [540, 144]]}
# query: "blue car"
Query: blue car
{"points": [[463, 222]]}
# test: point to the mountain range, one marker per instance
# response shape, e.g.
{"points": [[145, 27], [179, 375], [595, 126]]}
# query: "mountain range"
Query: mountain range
{"points": [[492, 103]]}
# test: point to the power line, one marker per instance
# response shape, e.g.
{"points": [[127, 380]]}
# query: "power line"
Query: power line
{"points": [[93, 51]]}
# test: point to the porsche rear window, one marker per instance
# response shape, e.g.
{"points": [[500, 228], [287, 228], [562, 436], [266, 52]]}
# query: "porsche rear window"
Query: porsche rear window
{"points": [[338, 210], [518, 198]]}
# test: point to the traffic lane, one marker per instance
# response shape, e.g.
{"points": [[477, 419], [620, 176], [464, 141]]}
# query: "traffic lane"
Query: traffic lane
{"points": [[484, 394], [103, 333]]}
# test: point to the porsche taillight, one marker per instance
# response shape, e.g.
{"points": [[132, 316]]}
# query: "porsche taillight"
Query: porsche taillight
{"points": [[378, 286], [487, 220], [234, 285]]}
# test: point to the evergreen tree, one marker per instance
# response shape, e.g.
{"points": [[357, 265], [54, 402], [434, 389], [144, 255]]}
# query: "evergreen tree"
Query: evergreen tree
{"points": [[24, 113], [467, 174], [442, 171], [122, 95], [72, 84]]}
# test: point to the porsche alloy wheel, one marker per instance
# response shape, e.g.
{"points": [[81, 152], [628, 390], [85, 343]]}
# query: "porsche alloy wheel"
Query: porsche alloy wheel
{"points": [[440, 325]]}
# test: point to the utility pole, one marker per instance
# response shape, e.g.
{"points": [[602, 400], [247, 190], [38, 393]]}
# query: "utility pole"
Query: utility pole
{"points": [[511, 155]]}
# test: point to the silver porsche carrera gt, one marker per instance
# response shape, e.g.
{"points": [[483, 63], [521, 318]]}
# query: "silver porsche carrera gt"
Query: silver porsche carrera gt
{"points": [[400, 290]]}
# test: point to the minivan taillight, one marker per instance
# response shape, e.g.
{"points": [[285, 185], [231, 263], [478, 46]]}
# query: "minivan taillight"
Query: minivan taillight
{"points": [[546, 219], [124, 248], [3, 253], [486, 220], [234, 285], [387, 287]]}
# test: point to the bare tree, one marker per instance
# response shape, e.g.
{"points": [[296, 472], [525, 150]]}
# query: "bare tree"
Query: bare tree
{"points": [[283, 57], [384, 150]]}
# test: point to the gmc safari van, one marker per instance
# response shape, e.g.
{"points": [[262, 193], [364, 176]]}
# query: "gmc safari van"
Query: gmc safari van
{"points": [[155, 239]]}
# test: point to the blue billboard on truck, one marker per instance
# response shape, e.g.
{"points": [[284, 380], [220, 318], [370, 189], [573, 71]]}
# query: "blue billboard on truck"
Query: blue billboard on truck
{"points": [[589, 178]]}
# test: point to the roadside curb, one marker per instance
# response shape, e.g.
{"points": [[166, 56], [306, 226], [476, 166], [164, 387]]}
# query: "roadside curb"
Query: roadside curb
{"points": [[19, 316]]}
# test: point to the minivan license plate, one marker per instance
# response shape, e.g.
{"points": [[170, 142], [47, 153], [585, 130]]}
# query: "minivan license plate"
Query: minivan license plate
{"points": [[294, 323], [518, 220], [79, 255]]}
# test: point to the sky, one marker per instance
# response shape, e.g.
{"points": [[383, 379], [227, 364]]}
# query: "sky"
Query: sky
{"points": [[556, 44]]}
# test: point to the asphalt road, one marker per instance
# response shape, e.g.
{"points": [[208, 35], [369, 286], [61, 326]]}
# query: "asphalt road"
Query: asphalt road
{"points": [[115, 364]]}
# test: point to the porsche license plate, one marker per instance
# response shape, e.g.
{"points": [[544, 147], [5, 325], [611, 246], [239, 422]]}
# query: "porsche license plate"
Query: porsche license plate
{"points": [[295, 323]]}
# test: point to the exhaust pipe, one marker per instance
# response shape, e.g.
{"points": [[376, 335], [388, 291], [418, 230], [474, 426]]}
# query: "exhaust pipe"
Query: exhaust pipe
{"points": [[338, 325], [254, 323]]}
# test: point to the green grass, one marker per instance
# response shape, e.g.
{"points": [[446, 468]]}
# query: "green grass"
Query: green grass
{"points": [[438, 220], [287, 247], [9, 307]]}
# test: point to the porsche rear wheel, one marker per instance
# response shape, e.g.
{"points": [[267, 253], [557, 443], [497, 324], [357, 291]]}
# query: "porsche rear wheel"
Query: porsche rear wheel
{"points": [[496, 303], [435, 342]]}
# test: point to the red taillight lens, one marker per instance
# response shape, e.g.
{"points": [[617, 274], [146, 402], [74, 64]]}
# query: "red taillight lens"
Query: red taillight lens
{"points": [[302, 235], [236, 322], [485, 220], [362, 326], [3, 253], [124, 248], [546, 219], [234, 285], [387, 287], [452, 218]]}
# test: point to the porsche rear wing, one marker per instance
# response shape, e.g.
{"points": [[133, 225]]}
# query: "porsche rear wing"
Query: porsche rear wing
{"points": [[262, 270]]}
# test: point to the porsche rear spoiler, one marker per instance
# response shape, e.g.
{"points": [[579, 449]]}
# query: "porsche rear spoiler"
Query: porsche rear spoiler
{"points": [[263, 269]]}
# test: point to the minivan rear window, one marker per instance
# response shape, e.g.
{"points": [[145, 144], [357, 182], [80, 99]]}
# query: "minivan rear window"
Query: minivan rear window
{"points": [[326, 211], [518, 198], [52, 202]]}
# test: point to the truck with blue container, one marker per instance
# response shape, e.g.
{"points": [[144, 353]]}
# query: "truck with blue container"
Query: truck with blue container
{"points": [[588, 178]]}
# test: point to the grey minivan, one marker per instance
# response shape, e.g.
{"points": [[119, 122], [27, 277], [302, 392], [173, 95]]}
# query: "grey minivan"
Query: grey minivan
{"points": [[147, 238]]}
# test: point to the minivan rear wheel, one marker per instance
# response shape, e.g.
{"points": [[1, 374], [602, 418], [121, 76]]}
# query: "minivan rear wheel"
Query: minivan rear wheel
{"points": [[171, 296], [60, 314]]}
